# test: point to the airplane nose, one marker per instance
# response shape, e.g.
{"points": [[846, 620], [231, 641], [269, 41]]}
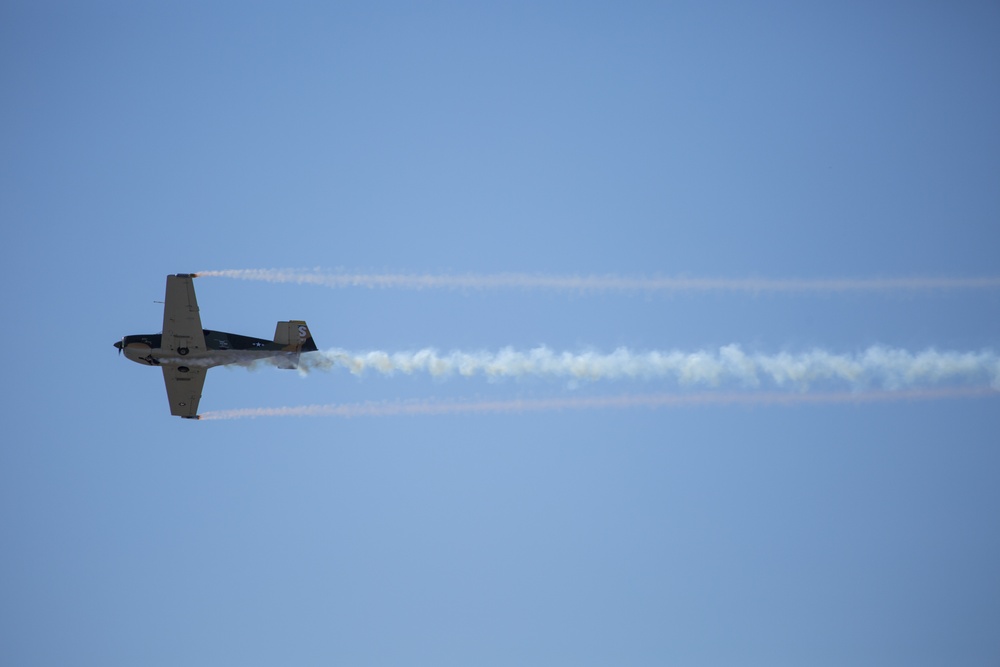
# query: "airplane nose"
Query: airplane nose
{"points": [[118, 344]]}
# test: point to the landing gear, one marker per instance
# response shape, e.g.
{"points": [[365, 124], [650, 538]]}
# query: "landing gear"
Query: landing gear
{"points": [[182, 351]]}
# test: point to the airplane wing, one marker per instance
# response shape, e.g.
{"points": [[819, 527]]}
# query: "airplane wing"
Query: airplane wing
{"points": [[182, 330], [184, 388]]}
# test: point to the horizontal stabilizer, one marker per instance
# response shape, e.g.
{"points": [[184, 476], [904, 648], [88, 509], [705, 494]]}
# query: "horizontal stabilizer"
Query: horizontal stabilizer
{"points": [[288, 360]]}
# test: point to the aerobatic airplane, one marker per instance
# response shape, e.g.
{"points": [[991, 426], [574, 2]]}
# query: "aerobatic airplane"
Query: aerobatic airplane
{"points": [[185, 351]]}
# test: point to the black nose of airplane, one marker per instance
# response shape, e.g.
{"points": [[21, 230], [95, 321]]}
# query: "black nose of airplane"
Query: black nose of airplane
{"points": [[118, 344]]}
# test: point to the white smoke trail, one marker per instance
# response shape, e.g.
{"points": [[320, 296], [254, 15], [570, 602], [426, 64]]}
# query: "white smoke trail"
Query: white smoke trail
{"points": [[597, 283], [877, 366], [650, 401]]}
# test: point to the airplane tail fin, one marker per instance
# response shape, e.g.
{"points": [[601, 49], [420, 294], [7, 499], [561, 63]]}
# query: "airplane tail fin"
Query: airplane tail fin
{"points": [[294, 337]]}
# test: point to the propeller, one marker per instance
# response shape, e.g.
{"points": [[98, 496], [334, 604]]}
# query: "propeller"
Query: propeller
{"points": [[120, 345]]}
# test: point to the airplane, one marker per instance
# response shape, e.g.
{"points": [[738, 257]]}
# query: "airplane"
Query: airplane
{"points": [[185, 351]]}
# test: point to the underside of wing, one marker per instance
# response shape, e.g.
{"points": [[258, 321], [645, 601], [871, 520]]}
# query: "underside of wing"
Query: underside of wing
{"points": [[182, 331], [184, 385]]}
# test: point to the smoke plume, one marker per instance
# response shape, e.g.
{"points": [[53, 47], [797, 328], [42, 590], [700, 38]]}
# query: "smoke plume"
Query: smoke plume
{"points": [[598, 283], [649, 401], [878, 366]]}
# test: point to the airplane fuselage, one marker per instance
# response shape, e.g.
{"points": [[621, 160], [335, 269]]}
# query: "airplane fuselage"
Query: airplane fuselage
{"points": [[221, 349]]}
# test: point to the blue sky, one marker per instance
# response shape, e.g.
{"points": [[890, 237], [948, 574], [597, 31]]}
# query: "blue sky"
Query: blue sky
{"points": [[770, 140]]}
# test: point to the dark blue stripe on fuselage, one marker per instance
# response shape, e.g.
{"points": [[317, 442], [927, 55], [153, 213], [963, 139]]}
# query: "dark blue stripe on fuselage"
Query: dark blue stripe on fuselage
{"points": [[214, 340]]}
